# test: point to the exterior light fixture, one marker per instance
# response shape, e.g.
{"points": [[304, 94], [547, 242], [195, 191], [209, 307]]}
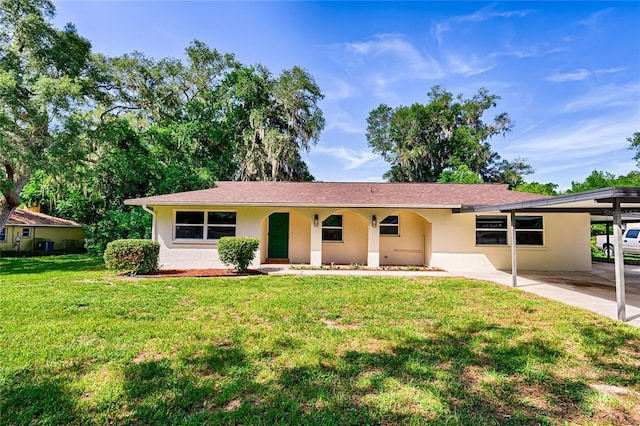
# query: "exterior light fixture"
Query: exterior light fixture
{"points": [[374, 221], [315, 221]]}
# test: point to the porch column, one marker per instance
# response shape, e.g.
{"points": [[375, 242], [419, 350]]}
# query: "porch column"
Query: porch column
{"points": [[373, 250], [619, 261], [315, 258], [514, 251]]}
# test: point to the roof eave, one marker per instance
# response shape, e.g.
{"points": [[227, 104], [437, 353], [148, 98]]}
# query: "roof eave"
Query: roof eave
{"points": [[289, 205], [41, 225]]}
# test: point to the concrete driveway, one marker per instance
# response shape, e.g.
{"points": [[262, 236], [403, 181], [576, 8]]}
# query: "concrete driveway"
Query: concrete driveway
{"points": [[594, 290]]}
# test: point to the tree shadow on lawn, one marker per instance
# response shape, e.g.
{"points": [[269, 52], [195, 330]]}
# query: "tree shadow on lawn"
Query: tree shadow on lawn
{"points": [[35, 396], [39, 265], [480, 374], [443, 381], [602, 343]]}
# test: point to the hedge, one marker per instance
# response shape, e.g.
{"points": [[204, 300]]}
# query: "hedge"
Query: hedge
{"points": [[132, 257], [237, 251]]}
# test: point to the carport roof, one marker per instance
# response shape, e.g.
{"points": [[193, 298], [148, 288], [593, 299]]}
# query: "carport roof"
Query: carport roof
{"points": [[599, 203]]}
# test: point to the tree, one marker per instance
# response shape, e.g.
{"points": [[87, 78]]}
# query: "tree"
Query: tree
{"points": [[599, 179], [634, 142], [460, 175], [422, 141], [596, 180], [277, 118], [509, 172], [179, 125], [44, 85], [538, 188]]}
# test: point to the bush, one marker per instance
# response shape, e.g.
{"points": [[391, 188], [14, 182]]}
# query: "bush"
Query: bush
{"points": [[132, 256], [237, 251]]}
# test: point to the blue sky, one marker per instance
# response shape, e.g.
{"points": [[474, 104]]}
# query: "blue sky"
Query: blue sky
{"points": [[568, 73]]}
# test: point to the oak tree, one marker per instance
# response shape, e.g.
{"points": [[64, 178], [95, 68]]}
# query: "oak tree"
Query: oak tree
{"points": [[45, 82], [422, 141]]}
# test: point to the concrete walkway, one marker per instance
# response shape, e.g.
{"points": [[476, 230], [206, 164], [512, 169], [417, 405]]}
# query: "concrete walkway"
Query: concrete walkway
{"points": [[594, 290]]}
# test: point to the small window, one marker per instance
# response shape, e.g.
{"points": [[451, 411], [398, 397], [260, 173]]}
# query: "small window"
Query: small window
{"points": [[529, 230], [491, 230], [200, 225], [332, 228], [390, 225], [3, 235], [26, 232]]}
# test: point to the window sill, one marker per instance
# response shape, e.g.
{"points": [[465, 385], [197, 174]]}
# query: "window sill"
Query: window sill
{"points": [[520, 246], [200, 242]]}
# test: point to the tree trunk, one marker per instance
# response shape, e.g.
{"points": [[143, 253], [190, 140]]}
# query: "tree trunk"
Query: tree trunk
{"points": [[11, 199]]}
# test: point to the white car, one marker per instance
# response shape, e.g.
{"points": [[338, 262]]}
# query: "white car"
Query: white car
{"points": [[630, 242]]}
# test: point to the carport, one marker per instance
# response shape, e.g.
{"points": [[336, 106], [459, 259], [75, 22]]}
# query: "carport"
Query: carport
{"points": [[615, 205]]}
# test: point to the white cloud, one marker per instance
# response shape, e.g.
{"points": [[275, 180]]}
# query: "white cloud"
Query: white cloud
{"points": [[577, 75], [607, 96], [609, 71], [339, 90], [466, 66], [580, 74], [400, 58], [593, 20], [528, 51], [344, 125], [574, 144], [570, 152], [483, 14], [351, 158]]}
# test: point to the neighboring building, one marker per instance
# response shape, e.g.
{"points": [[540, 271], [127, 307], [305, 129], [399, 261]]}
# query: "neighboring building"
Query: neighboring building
{"points": [[372, 224], [28, 231]]}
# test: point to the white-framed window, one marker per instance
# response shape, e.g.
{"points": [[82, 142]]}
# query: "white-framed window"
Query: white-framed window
{"points": [[332, 228], [390, 226], [3, 235], [491, 230], [26, 232], [529, 231], [204, 225]]}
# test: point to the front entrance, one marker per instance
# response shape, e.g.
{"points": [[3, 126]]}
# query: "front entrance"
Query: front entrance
{"points": [[278, 237]]}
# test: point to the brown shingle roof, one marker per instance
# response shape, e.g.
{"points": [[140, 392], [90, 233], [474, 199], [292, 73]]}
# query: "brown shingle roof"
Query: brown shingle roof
{"points": [[343, 194], [25, 217]]}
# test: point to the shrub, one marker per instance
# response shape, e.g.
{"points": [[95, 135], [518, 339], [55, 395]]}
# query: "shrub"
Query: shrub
{"points": [[237, 251], [132, 256]]}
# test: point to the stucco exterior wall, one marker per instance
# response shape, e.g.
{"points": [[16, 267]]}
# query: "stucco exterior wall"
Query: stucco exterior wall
{"points": [[410, 246], [566, 243], [299, 238], [436, 237], [175, 254], [250, 222], [353, 247]]}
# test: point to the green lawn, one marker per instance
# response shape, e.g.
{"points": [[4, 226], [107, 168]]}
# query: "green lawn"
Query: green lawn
{"points": [[80, 346]]}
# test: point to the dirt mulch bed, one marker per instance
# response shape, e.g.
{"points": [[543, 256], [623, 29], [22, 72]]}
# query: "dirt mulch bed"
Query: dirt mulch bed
{"points": [[201, 273]]}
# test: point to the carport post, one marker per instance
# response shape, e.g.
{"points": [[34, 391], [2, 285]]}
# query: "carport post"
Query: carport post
{"points": [[514, 252], [619, 261]]}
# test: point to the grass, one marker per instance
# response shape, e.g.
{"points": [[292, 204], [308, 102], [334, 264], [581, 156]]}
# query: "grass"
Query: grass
{"points": [[79, 346]]}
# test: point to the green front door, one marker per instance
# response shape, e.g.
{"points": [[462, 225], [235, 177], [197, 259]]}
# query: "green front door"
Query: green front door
{"points": [[278, 236]]}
